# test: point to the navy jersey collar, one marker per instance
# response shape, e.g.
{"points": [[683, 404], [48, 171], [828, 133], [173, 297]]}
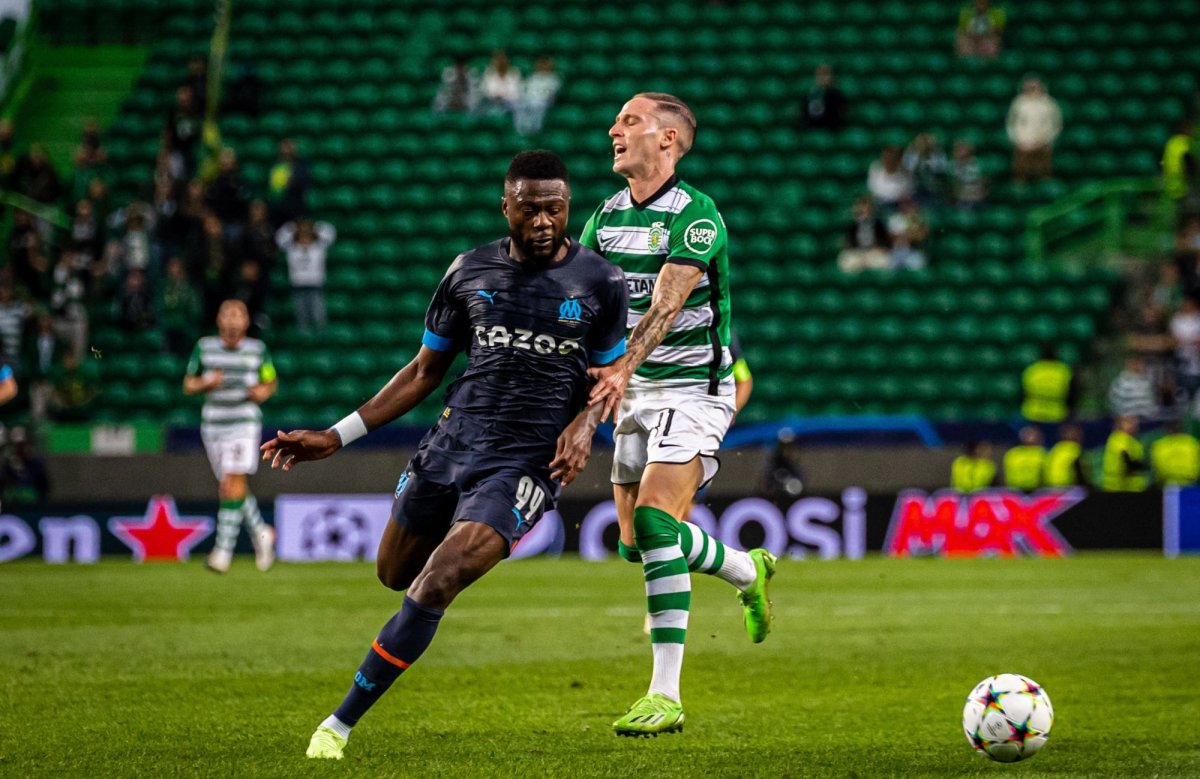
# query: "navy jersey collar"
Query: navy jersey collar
{"points": [[572, 250], [664, 189]]}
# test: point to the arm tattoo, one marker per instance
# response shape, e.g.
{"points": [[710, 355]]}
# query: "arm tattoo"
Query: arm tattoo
{"points": [[675, 283]]}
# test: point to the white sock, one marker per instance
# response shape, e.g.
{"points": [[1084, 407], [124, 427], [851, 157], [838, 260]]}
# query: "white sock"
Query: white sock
{"points": [[337, 726], [737, 569], [668, 665]]}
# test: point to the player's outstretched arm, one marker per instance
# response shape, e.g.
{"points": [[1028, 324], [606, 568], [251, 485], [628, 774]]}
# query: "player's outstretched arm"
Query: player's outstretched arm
{"points": [[575, 445], [411, 384], [675, 282]]}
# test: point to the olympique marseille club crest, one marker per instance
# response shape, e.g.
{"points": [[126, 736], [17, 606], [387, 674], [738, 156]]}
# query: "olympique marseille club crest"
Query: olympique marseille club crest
{"points": [[657, 236]]}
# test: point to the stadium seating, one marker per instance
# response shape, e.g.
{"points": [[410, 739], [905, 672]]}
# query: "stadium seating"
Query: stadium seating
{"points": [[354, 83]]}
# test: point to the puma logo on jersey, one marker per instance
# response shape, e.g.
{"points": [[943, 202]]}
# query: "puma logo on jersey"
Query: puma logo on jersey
{"points": [[488, 296], [520, 338]]}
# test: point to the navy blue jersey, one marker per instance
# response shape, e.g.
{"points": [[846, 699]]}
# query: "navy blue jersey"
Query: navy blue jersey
{"points": [[530, 334]]}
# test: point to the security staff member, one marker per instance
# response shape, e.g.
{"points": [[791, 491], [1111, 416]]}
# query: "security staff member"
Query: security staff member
{"points": [[1175, 457], [1048, 388], [1023, 465], [1178, 163], [1124, 458], [1064, 462], [973, 470]]}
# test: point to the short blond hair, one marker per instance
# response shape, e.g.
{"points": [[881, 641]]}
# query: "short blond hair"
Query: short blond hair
{"points": [[676, 113]]}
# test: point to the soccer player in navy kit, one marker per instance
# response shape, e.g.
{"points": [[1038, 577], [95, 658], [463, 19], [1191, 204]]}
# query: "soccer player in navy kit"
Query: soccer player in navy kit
{"points": [[533, 312]]}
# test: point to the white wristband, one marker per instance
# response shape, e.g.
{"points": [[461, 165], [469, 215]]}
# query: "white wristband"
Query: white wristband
{"points": [[350, 428]]}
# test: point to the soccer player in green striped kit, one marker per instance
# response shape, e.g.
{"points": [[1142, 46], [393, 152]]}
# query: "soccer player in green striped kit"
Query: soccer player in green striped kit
{"points": [[674, 387]]}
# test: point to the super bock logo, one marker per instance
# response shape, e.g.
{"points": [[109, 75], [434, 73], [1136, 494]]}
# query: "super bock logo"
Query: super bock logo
{"points": [[700, 236], [655, 238]]}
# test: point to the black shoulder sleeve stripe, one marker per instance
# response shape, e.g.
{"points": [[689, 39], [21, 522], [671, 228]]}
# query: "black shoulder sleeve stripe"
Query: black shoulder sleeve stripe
{"points": [[688, 261]]}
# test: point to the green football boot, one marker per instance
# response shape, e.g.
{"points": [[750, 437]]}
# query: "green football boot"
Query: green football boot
{"points": [[756, 599], [325, 744], [651, 715]]}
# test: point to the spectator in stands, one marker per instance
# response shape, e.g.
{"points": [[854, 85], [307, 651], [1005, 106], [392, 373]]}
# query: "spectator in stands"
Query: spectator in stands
{"points": [[170, 226], [212, 266], [1185, 329], [459, 88], [184, 125], [501, 86], [1064, 463], [8, 154], [36, 177], [973, 470], [197, 79], [23, 473], [1025, 464], [908, 230], [968, 187], [23, 240], [926, 163], [227, 196], [250, 287], [1167, 293], [980, 30], [1124, 458], [1149, 340], [1132, 392], [537, 95], [258, 243], [86, 235], [97, 195], [168, 165], [68, 302], [134, 306], [306, 245], [41, 352], [1187, 257], [825, 103], [866, 242], [89, 157], [75, 389], [8, 384], [13, 314], [1180, 170], [784, 479], [1034, 123], [179, 308], [887, 180], [287, 185], [132, 247]]}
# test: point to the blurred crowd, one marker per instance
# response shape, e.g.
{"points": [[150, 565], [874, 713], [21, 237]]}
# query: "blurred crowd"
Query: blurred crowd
{"points": [[500, 90], [157, 265]]}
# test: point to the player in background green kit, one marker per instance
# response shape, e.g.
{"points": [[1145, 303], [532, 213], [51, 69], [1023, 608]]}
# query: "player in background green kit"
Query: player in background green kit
{"points": [[236, 375], [674, 387]]}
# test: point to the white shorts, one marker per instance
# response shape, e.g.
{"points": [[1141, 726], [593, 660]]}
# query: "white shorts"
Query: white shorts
{"points": [[669, 426], [232, 450]]}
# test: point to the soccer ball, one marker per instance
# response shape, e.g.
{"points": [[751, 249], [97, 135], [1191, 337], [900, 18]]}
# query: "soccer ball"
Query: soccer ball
{"points": [[1008, 717]]}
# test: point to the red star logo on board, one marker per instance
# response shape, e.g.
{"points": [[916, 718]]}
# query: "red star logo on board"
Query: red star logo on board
{"points": [[162, 534]]}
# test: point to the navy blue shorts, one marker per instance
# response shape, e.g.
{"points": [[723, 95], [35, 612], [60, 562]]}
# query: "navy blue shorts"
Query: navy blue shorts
{"points": [[435, 491]]}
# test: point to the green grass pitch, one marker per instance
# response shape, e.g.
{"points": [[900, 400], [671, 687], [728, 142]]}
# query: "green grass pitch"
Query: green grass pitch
{"points": [[120, 669]]}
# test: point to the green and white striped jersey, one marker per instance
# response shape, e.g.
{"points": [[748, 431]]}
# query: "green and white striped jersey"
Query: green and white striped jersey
{"points": [[678, 224], [244, 366]]}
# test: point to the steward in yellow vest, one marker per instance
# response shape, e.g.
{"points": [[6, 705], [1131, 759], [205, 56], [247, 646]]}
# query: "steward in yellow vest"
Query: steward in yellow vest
{"points": [[1023, 465], [1178, 164], [1124, 458], [973, 470], [1064, 463], [1047, 385], [1175, 457]]}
